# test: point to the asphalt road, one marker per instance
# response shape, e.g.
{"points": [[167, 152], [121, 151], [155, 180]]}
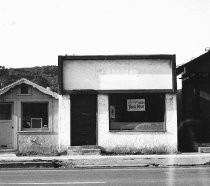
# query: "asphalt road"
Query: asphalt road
{"points": [[129, 176]]}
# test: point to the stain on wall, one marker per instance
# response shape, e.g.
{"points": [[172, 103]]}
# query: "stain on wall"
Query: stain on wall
{"points": [[43, 144]]}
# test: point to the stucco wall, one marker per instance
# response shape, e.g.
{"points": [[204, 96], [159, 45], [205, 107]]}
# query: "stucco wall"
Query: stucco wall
{"points": [[39, 143], [162, 141], [64, 122], [117, 74]]}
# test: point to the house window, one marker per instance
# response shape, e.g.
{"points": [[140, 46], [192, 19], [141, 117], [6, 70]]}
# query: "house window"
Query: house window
{"points": [[5, 111], [34, 116], [24, 89], [137, 112]]}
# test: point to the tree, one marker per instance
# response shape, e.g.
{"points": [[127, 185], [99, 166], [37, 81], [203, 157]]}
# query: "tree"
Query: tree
{"points": [[3, 73], [41, 81], [45, 76]]}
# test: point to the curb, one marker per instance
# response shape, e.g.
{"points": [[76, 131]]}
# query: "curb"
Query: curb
{"points": [[26, 165], [60, 164], [105, 162], [140, 166], [30, 164], [111, 166]]}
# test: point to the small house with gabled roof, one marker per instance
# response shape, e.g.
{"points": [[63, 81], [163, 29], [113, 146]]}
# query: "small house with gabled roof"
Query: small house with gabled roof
{"points": [[29, 118]]}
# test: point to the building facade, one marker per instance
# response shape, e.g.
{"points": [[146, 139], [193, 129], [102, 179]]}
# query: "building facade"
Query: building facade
{"points": [[194, 128], [29, 118], [120, 103]]}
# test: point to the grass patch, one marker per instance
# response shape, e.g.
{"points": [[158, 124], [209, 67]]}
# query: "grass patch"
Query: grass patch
{"points": [[137, 151]]}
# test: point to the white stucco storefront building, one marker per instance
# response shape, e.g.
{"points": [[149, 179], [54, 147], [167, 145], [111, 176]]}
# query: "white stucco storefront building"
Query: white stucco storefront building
{"points": [[118, 102]]}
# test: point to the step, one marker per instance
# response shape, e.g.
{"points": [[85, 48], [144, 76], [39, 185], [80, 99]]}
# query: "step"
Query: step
{"points": [[84, 147], [84, 150], [7, 152]]}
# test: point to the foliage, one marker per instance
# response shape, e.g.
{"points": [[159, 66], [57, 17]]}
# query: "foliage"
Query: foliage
{"points": [[138, 151], [46, 76]]}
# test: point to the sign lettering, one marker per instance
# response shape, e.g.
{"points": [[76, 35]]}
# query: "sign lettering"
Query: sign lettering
{"points": [[135, 105]]}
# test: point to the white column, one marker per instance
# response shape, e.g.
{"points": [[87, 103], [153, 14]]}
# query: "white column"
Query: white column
{"points": [[64, 122]]}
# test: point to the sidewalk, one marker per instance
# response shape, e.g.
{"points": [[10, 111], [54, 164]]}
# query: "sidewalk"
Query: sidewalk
{"points": [[100, 161]]}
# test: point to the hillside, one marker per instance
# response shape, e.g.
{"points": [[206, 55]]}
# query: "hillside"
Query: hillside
{"points": [[46, 76]]}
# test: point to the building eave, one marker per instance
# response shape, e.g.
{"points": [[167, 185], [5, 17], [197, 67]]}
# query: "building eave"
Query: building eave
{"points": [[34, 85]]}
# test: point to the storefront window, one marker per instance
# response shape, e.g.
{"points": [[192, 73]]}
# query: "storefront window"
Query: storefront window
{"points": [[34, 116], [137, 112]]}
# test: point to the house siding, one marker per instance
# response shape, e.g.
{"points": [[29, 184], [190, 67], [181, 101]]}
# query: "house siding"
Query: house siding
{"points": [[37, 141]]}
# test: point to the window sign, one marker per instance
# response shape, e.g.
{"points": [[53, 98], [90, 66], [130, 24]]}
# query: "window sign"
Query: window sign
{"points": [[135, 105]]}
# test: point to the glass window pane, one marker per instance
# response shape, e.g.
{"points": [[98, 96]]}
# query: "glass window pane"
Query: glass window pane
{"points": [[5, 111], [137, 111], [34, 115]]}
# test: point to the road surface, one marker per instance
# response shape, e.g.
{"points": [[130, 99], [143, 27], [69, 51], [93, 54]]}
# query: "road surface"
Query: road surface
{"points": [[128, 176]]}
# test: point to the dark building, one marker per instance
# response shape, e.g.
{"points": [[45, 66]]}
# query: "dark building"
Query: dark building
{"points": [[194, 125]]}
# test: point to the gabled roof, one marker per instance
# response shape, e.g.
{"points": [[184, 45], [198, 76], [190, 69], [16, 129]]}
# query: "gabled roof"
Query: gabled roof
{"points": [[34, 85]]}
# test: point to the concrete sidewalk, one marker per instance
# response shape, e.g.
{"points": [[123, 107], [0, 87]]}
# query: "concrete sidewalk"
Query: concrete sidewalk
{"points": [[97, 161]]}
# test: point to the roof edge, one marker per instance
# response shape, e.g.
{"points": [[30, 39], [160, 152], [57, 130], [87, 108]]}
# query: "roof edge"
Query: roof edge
{"points": [[116, 57], [26, 81], [180, 68]]}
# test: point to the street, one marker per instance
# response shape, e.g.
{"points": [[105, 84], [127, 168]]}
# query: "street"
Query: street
{"points": [[128, 176]]}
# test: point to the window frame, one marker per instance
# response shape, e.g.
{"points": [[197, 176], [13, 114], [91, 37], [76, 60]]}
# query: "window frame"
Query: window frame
{"points": [[19, 93], [43, 129], [164, 115]]}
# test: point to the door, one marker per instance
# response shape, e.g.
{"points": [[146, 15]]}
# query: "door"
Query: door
{"points": [[83, 119], [6, 126]]}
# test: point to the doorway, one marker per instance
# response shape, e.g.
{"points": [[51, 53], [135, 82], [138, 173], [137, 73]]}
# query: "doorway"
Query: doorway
{"points": [[6, 126], [83, 119]]}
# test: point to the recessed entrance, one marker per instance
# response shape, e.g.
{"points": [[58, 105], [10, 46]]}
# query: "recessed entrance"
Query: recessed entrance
{"points": [[83, 119]]}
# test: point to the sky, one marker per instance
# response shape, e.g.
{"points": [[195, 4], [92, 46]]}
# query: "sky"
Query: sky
{"points": [[35, 32]]}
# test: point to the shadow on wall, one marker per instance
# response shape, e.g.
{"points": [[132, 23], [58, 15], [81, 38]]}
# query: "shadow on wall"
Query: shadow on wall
{"points": [[189, 135], [179, 106]]}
